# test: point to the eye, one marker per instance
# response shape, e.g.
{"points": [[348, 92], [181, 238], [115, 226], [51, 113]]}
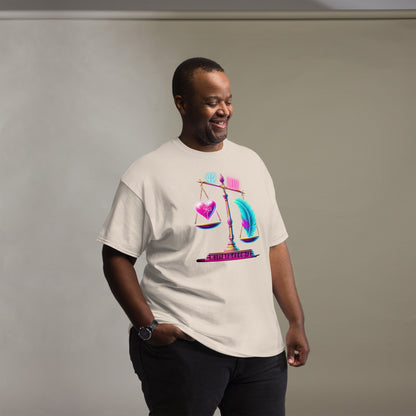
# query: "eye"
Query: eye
{"points": [[228, 103], [212, 103]]}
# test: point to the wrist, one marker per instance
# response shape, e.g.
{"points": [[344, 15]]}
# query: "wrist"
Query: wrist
{"points": [[297, 324], [145, 332]]}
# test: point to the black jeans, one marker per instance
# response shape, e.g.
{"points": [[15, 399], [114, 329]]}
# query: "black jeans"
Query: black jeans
{"points": [[188, 379]]}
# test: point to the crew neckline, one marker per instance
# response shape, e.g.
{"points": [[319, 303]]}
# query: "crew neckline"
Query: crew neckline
{"points": [[199, 153]]}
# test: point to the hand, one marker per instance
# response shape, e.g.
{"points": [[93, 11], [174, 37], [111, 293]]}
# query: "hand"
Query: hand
{"points": [[165, 334], [297, 346]]}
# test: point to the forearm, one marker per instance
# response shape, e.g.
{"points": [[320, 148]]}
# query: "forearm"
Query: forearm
{"points": [[122, 279], [284, 288]]}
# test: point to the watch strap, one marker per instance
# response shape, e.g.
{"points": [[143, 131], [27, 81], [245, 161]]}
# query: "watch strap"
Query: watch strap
{"points": [[153, 325]]}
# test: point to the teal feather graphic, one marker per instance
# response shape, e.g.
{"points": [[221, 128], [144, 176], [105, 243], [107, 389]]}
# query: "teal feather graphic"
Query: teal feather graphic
{"points": [[247, 216]]}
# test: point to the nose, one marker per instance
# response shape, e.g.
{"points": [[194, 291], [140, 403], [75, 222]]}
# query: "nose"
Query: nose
{"points": [[225, 109]]}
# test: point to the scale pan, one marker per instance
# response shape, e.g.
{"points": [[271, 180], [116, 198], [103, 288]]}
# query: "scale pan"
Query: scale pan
{"points": [[208, 225], [249, 239]]}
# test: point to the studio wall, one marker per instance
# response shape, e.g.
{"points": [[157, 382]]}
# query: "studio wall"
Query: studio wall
{"points": [[328, 104]]}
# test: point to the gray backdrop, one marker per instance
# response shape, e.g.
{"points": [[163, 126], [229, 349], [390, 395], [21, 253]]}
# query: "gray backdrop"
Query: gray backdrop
{"points": [[328, 104]]}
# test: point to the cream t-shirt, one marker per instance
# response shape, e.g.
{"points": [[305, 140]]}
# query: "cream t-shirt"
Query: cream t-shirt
{"points": [[206, 221]]}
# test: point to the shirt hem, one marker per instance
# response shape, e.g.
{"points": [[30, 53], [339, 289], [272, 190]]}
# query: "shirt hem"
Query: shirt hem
{"points": [[275, 242], [218, 347], [117, 247]]}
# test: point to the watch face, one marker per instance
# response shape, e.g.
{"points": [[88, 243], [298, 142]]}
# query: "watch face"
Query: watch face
{"points": [[145, 334]]}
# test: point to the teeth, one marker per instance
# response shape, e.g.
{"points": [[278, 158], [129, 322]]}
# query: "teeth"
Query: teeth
{"points": [[220, 123]]}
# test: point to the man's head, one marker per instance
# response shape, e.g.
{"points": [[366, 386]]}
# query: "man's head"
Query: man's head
{"points": [[182, 78], [202, 95]]}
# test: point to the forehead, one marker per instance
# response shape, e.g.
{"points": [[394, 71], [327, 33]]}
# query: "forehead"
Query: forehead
{"points": [[210, 83]]}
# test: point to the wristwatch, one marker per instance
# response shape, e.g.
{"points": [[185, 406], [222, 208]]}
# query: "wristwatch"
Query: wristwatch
{"points": [[145, 332]]}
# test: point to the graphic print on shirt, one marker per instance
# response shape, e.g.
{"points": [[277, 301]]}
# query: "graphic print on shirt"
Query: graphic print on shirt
{"points": [[207, 212]]}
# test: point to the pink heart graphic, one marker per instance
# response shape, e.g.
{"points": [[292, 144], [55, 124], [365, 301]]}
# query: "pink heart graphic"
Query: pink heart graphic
{"points": [[206, 209]]}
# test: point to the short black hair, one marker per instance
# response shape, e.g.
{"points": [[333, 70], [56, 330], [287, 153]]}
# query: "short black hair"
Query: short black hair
{"points": [[182, 77]]}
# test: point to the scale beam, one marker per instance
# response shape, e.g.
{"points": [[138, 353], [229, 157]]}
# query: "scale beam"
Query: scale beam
{"points": [[221, 186]]}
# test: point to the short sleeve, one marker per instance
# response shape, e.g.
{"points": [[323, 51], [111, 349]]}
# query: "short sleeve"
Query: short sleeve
{"points": [[127, 227], [277, 232]]}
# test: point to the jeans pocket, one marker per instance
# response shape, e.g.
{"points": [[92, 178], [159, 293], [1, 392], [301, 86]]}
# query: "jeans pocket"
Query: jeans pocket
{"points": [[161, 347], [282, 361]]}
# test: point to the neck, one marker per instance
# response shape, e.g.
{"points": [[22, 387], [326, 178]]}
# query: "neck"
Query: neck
{"points": [[193, 143]]}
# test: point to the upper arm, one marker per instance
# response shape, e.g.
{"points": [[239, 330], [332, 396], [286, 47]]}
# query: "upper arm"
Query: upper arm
{"points": [[278, 251], [280, 262], [109, 253]]}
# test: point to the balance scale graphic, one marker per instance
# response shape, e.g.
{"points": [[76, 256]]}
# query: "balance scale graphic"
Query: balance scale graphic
{"points": [[207, 208]]}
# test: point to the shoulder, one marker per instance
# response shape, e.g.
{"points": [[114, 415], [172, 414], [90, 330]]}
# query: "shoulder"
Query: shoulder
{"points": [[245, 152], [145, 167], [147, 163]]}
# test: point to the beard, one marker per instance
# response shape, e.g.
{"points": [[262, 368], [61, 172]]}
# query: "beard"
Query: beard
{"points": [[206, 136]]}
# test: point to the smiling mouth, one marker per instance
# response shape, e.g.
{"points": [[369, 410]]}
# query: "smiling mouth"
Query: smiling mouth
{"points": [[220, 124]]}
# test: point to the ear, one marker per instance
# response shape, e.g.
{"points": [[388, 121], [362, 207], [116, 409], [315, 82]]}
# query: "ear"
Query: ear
{"points": [[180, 104]]}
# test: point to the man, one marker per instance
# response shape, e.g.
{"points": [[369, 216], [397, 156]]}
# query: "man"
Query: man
{"points": [[205, 333]]}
